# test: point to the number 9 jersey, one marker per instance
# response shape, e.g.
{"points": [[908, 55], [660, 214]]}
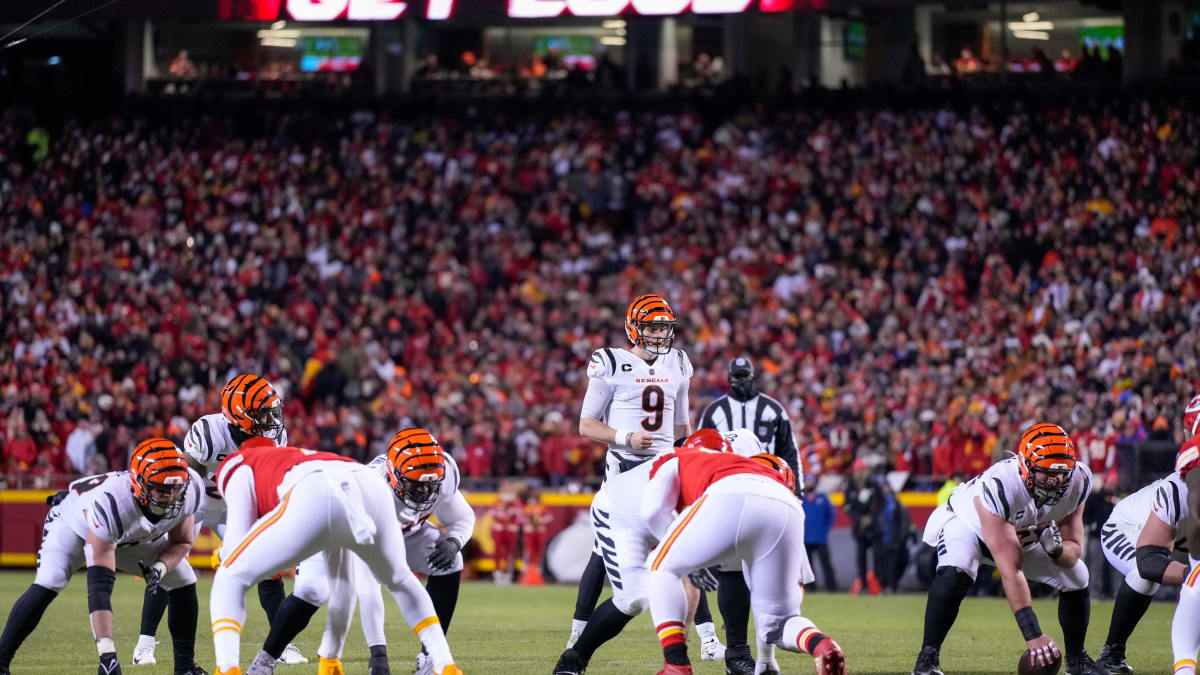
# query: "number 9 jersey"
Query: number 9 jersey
{"points": [[632, 395]]}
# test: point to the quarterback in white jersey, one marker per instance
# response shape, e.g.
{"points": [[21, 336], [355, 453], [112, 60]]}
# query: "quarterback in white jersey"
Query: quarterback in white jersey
{"points": [[637, 405], [1137, 540], [138, 522], [1025, 516], [637, 398], [250, 407], [425, 482]]}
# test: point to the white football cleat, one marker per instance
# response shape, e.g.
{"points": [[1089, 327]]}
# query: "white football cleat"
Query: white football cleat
{"points": [[424, 665], [291, 656], [712, 650], [144, 656]]}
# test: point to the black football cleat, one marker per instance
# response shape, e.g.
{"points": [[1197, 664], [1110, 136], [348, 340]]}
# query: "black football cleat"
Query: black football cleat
{"points": [[738, 661], [1112, 658], [928, 662], [1082, 664], [570, 663], [194, 670]]}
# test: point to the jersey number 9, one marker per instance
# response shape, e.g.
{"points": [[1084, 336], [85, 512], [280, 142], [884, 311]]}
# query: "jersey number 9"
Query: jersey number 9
{"points": [[653, 401]]}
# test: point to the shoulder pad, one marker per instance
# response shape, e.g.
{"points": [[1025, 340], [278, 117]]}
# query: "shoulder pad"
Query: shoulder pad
{"points": [[685, 363], [602, 363]]}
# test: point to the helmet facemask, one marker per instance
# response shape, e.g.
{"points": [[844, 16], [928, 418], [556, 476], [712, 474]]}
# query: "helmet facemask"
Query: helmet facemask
{"points": [[658, 345], [267, 422], [1044, 494], [418, 494], [161, 499]]}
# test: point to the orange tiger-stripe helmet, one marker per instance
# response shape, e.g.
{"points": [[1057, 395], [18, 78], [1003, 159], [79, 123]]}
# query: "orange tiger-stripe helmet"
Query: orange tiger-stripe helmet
{"points": [[1045, 448], [773, 462], [416, 467], [650, 310], [158, 471], [251, 405]]}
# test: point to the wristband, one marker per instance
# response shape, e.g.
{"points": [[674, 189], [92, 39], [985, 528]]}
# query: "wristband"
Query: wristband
{"points": [[1028, 623], [161, 567], [105, 646], [624, 436]]}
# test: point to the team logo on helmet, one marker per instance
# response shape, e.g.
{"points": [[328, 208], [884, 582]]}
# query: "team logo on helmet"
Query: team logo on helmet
{"points": [[252, 405], [1046, 449], [786, 475], [1191, 417], [416, 467], [650, 313], [159, 473]]}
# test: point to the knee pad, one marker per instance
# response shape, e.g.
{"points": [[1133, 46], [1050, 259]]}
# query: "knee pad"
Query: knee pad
{"points": [[311, 588]]}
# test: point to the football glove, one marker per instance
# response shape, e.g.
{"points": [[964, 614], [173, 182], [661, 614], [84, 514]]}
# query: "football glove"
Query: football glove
{"points": [[109, 665], [704, 579], [1051, 541], [153, 574], [444, 553]]}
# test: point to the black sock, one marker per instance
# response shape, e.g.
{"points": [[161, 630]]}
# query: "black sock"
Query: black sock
{"points": [[606, 623], [590, 586], [946, 594], [443, 591], [154, 605], [1130, 608], [676, 654], [181, 620], [293, 616], [733, 599], [26, 613], [270, 595], [1074, 612], [703, 613]]}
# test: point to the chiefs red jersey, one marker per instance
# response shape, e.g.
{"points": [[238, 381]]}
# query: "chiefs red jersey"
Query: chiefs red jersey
{"points": [[269, 463], [699, 469], [1188, 456]]}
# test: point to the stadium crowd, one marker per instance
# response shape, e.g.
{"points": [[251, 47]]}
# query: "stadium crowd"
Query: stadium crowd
{"points": [[917, 284]]}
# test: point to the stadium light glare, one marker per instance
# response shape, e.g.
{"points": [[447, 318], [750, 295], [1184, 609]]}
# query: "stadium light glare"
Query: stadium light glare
{"points": [[611, 24], [1031, 25], [277, 34], [1031, 34], [278, 42], [1030, 17], [612, 41], [278, 25]]}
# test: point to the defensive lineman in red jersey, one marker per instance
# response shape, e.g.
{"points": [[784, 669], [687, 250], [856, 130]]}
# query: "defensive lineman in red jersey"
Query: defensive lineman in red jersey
{"points": [[340, 507], [707, 508]]}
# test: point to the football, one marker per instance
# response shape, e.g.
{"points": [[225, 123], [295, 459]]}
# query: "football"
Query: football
{"points": [[1026, 665]]}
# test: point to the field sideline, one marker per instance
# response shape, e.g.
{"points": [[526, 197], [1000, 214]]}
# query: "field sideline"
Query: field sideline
{"points": [[518, 631]]}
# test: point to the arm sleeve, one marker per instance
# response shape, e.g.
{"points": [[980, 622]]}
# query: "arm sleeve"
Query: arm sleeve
{"points": [[595, 401], [457, 517], [241, 509], [660, 497]]}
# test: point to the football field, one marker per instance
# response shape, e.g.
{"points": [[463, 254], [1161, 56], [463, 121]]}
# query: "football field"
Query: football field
{"points": [[517, 630]]}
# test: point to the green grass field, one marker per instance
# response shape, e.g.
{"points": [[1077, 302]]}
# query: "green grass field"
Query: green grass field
{"points": [[516, 630]]}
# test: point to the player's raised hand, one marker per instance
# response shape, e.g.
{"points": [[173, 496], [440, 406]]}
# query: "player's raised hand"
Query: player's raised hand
{"points": [[640, 440]]}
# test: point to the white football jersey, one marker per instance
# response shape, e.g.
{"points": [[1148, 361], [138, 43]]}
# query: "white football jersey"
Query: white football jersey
{"points": [[208, 442], [104, 504], [410, 518], [641, 396], [1166, 498], [1003, 493]]}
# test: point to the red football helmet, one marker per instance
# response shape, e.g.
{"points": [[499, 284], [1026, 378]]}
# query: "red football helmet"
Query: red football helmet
{"points": [[707, 439], [1191, 417]]}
